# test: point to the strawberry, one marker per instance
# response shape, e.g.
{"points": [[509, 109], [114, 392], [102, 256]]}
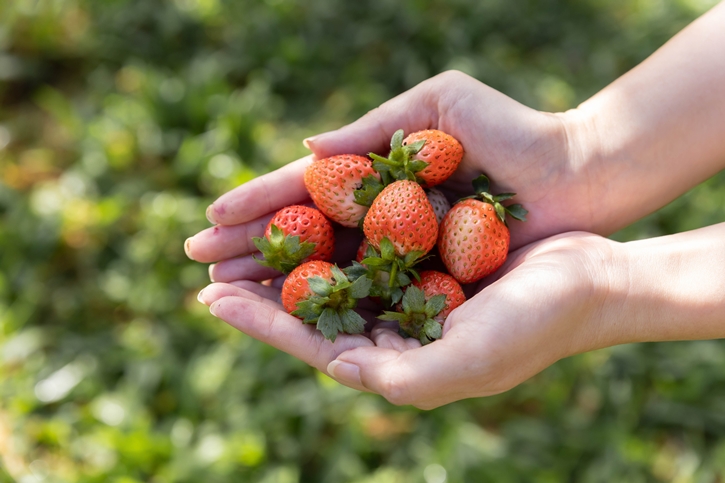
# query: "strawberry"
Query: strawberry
{"points": [[439, 203], [320, 293], [428, 157], [362, 250], [388, 272], [336, 185], [403, 214], [474, 238], [433, 283], [295, 234], [425, 306]]}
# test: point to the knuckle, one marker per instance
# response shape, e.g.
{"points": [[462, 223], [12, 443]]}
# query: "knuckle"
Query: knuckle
{"points": [[396, 391], [452, 76]]}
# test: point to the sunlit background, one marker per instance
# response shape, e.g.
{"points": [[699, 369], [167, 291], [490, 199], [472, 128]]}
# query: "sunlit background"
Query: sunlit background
{"points": [[121, 120]]}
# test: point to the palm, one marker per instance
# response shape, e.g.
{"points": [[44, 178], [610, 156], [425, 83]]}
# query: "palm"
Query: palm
{"points": [[522, 150]]}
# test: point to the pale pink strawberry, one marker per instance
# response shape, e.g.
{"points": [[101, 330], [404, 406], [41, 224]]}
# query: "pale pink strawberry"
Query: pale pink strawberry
{"points": [[332, 183], [474, 238]]}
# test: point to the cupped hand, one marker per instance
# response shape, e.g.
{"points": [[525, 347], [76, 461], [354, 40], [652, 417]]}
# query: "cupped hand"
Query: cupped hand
{"points": [[545, 304], [520, 149]]}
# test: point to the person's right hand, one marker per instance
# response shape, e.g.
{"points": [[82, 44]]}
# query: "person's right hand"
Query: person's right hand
{"points": [[520, 149]]}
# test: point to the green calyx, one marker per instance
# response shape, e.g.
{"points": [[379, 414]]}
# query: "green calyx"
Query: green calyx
{"points": [[387, 272], [400, 163], [482, 188], [331, 306], [417, 318], [282, 252], [368, 191]]}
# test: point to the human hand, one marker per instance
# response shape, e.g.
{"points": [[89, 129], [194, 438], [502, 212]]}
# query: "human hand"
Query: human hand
{"points": [[523, 150], [543, 306]]}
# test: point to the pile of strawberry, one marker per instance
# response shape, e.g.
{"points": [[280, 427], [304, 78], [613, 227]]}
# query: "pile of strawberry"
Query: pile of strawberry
{"points": [[403, 218]]}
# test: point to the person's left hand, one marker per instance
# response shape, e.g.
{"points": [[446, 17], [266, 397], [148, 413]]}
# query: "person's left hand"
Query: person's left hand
{"points": [[545, 304]]}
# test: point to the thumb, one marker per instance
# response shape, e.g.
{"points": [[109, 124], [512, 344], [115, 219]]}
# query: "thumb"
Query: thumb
{"points": [[423, 377], [413, 110]]}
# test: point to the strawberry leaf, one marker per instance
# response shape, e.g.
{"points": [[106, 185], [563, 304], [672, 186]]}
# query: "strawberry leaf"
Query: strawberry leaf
{"points": [[374, 262], [276, 236], [403, 279], [387, 250], [355, 271], [320, 286], [504, 196], [396, 296], [412, 257], [329, 324], [413, 149], [413, 300], [396, 142], [393, 316], [435, 305], [481, 184], [500, 211], [308, 310], [352, 323], [517, 212], [432, 330], [417, 165], [338, 275], [360, 288], [370, 189]]}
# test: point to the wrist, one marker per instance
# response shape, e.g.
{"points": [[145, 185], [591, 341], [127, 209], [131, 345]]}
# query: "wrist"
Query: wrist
{"points": [[605, 283], [669, 288], [585, 172]]}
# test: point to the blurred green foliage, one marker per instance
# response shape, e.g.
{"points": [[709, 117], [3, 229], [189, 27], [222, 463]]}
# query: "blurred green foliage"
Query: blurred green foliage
{"points": [[120, 120]]}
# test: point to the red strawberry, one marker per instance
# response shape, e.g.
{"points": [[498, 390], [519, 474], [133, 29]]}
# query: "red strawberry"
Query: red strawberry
{"points": [[362, 250], [474, 238], [295, 234], [428, 157], [403, 214], [425, 306], [387, 272], [320, 293], [439, 202], [332, 183]]}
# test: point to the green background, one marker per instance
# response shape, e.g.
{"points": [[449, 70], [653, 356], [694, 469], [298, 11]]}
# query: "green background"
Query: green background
{"points": [[121, 120]]}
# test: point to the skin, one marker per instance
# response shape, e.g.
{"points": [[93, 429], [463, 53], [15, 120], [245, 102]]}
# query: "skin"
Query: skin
{"points": [[642, 141]]}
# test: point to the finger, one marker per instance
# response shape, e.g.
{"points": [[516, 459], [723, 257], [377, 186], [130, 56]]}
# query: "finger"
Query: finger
{"points": [[223, 242], [215, 291], [425, 377], [269, 293], [278, 282], [388, 338], [259, 318], [262, 195], [246, 268], [411, 111]]}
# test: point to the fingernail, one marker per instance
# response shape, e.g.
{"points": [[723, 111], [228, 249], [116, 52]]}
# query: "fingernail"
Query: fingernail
{"points": [[345, 372], [213, 308], [187, 248], [308, 142], [210, 214], [211, 269], [198, 297]]}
